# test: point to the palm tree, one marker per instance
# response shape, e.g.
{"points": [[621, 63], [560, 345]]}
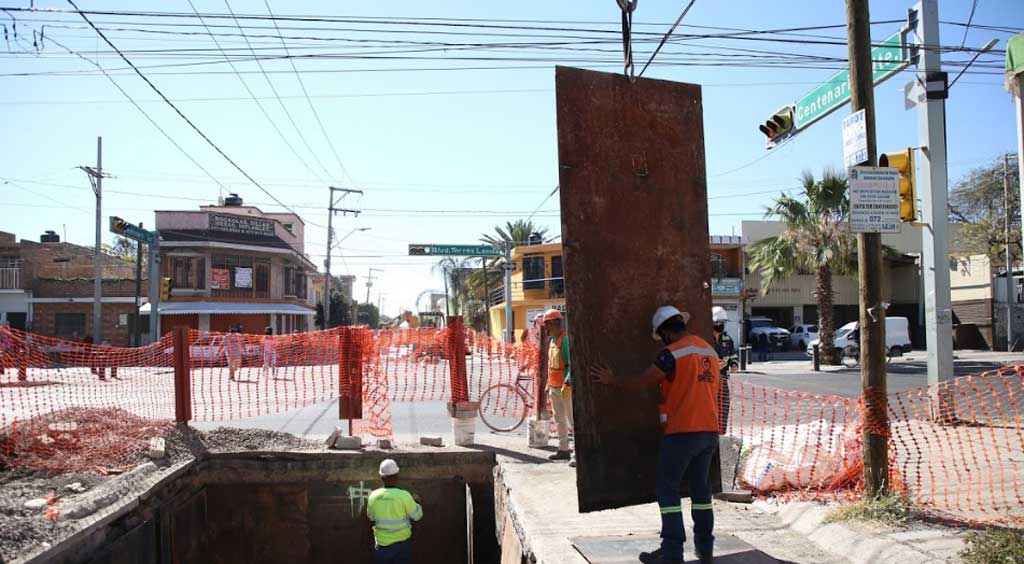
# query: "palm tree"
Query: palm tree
{"points": [[517, 233], [815, 241], [456, 273]]}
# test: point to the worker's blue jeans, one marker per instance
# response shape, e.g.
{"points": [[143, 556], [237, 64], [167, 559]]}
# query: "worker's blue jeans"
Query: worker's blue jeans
{"points": [[398, 553], [690, 455]]}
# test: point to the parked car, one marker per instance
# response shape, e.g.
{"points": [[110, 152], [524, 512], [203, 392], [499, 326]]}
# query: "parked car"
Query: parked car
{"points": [[777, 337], [801, 335], [897, 336]]}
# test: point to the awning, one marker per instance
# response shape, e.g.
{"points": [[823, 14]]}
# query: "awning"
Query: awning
{"points": [[238, 308]]}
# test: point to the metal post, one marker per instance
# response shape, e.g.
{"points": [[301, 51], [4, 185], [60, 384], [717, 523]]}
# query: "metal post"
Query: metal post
{"points": [[933, 189], [508, 266], [1019, 102], [816, 357], [154, 291], [869, 266], [1011, 294], [487, 295], [137, 326], [97, 291], [327, 261]]}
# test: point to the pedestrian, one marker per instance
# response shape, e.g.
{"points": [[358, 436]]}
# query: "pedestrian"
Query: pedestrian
{"points": [[559, 381], [728, 361], [688, 373], [269, 353], [392, 510], [233, 346]]}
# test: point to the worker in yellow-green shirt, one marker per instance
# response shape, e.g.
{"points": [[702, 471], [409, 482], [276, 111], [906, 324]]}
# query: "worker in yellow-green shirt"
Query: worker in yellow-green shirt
{"points": [[392, 511]]}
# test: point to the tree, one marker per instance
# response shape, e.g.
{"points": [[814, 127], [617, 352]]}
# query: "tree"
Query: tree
{"points": [[517, 233], [341, 311], [456, 273], [815, 241], [977, 206]]}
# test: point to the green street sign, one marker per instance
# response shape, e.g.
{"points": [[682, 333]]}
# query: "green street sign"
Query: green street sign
{"points": [[133, 232], [888, 59], [454, 250]]}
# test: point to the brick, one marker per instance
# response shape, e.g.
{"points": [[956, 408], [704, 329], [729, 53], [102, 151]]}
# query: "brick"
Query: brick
{"points": [[434, 441], [157, 448], [384, 444]]}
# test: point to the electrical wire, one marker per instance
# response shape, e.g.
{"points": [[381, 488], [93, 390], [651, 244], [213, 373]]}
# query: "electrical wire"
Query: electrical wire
{"points": [[182, 115], [667, 35], [974, 6]]}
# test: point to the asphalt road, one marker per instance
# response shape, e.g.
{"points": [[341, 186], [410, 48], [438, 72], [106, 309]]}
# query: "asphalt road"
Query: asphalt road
{"points": [[903, 374]]}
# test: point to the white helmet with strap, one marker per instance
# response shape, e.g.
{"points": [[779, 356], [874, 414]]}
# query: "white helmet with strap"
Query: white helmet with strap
{"points": [[719, 315]]}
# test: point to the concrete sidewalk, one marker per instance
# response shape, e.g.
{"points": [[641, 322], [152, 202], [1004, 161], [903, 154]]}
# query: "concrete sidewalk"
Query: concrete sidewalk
{"points": [[539, 522]]}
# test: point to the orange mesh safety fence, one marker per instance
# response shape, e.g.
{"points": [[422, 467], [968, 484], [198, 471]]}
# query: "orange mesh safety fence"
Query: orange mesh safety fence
{"points": [[72, 406]]}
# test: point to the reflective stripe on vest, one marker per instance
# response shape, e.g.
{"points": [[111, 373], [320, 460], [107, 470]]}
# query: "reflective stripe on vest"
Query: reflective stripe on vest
{"points": [[689, 400]]}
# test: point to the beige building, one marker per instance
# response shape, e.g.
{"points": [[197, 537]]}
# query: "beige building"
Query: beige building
{"points": [[233, 264], [979, 293]]}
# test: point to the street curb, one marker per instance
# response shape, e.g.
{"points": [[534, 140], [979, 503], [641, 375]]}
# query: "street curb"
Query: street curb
{"points": [[864, 543]]}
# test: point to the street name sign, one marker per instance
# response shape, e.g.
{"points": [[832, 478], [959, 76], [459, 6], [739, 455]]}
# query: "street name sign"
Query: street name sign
{"points": [[874, 199], [855, 139], [454, 250], [887, 59], [133, 232]]}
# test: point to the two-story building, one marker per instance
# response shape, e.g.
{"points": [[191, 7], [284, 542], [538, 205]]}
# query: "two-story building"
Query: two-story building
{"points": [[235, 265], [538, 283]]}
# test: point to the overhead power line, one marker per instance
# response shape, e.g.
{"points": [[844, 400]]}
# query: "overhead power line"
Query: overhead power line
{"points": [[179, 112], [667, 35]]}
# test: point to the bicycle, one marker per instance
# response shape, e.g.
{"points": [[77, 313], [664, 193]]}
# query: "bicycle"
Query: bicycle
{"points": [[851, 355], [503, 407]]}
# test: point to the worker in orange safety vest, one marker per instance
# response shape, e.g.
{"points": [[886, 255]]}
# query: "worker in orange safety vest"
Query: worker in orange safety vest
{"points": [[559, 381]]}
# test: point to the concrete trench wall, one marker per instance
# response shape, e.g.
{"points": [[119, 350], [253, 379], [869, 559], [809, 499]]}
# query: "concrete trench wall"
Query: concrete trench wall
{"points": [[293, 508]]}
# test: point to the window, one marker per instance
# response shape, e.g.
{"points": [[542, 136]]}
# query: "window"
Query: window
{"points": [[718, 268], [300, 284], [557, 280], [187, 272], [256, 280], [290, 227], [69, 324], [289, 281], [533, 272]]}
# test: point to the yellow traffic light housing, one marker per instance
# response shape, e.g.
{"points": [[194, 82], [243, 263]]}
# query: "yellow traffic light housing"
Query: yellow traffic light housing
{"points": [[779, 125], [165, 289], [903, 161]]}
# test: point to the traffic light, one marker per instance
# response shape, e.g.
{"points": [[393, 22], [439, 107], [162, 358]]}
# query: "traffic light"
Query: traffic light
{"points": [[165, 289], [779, 125], [118, 225], [903, 161]]}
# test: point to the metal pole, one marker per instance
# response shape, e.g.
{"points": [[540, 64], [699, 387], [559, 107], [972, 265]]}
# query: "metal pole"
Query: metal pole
{"points": [[487, 296], [137, 326], [933, 189], [1011, 294], [154, 291], [869, 266], [508, 292], [327, 261], [97, 291], [1019, 102]]}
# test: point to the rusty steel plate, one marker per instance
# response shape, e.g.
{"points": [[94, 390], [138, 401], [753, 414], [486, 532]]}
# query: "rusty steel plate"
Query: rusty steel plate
{"points": [[635, 236]]}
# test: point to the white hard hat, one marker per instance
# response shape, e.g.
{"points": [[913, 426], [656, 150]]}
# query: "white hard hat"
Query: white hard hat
{"points": [[388, 467], [663, 314], [718, 314]]}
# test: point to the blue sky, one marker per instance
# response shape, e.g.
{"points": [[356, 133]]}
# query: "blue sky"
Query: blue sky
{"points": [[473, 140]]}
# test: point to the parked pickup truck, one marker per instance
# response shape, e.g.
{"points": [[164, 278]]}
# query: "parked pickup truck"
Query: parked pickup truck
{"points": [[777, 337]]}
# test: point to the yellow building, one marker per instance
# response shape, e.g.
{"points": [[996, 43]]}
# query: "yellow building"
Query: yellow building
{"points": [[538, 284], [544, 287]]}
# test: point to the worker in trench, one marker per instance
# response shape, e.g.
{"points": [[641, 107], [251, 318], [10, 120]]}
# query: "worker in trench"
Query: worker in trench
{"points": [[728, 361], [687, 370], [559, 382], [392, 511]]}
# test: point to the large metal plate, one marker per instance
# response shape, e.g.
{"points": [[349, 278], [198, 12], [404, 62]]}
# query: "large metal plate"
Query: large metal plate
{"points": [[624, 549], [635, 236]]}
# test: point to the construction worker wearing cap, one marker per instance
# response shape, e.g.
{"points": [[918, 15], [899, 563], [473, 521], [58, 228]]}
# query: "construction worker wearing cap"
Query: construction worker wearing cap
{"points": [[392, 511], [688, 371], [728, 360], [559, 381]]}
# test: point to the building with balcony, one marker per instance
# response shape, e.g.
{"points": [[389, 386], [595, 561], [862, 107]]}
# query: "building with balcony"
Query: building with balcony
{"points": [[235, 265], [538, 284], [47, 287]]}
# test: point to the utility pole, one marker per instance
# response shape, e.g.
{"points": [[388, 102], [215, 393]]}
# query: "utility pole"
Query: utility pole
{"points": [[331, 210], [137, 326], [508, 267], [1011, 293], [933, 189], [96, 179], [369, 284], [869, 267]]}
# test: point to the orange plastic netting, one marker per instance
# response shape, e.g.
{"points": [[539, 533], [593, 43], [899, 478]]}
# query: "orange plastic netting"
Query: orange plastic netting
{"points": [[957, 451]]}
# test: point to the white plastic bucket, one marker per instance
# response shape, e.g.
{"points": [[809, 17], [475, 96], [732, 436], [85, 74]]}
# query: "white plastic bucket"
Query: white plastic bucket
{"points": [[464, 431], [538, 429]]}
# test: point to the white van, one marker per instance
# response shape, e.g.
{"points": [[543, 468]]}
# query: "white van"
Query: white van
{"points": [[897, 336]]}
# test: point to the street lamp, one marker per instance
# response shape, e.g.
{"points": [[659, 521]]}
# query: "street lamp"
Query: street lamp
{"points": [[327, 267]]}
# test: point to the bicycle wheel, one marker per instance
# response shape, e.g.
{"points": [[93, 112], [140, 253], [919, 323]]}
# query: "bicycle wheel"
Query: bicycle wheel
{"points": [[503, 407], [851, 357]]}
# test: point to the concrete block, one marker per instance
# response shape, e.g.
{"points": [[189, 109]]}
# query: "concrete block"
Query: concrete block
{"points": [[736, 496], [37, 503], [157, 448], [433, 441], [345, 442], [63, 427], [384, 444]]}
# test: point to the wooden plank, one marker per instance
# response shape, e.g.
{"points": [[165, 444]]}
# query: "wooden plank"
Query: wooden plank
{"points": [[635, 237]]}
